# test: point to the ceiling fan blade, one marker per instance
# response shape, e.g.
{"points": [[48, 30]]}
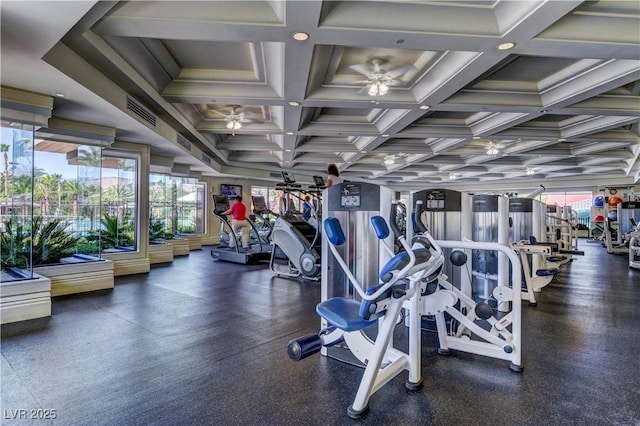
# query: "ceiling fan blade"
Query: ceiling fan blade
{"points": [[361, 68], [253, 121], [400, 71]]}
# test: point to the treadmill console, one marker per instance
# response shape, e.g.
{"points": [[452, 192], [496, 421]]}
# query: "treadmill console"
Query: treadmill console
{"points": [[220, 203], [318, 182], [288, 178], [259, 204]]}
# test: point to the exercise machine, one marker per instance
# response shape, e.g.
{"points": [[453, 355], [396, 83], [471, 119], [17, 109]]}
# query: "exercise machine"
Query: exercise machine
{"points": [[354, 323], [411, 280], [634, 245], [540, 260], [353, 204], [232, 251], [261, 220], [490, 224], [472, 326], [446, 214], [300, 244]]}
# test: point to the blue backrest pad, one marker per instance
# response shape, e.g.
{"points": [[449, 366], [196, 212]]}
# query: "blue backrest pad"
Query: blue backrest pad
{"points": [[380, 226], [333, 230]]}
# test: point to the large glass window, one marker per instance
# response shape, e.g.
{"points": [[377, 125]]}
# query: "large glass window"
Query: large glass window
{"points": [[119, 200], [16, 201], [176, 206], [190, 207], [580, 203], [278, 201]]}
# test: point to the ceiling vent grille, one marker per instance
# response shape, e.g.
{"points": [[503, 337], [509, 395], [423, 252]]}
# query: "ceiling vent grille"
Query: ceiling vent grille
{"points": [[275, 174], [206, 159], [183, 142], [140, 111]]}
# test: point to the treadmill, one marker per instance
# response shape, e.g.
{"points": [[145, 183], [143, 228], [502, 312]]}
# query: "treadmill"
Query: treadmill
{"points": [[235, 254]]}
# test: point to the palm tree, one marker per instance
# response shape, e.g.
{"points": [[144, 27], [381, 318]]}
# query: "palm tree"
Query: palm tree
{"points": [[43, 188], [4, 148], [89, 156], [71, 188]]}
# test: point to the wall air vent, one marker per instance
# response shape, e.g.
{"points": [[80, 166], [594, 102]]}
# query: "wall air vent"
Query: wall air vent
{"points": [[140, 111], [206, 159], [275, 174], [183, 142]]}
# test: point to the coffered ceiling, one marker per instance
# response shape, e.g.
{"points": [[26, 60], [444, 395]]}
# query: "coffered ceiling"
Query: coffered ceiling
{"points": [[560, 108]]}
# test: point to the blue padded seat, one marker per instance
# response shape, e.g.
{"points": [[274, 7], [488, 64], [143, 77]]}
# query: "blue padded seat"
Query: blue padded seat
{"points": [[547, 272], [401, 260], [556, 258], [344, 313]]}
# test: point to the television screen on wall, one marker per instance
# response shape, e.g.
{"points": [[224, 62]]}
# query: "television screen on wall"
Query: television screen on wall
{"points": [[230, 190]]}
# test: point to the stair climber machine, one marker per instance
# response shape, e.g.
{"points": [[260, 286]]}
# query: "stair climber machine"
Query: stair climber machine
{"points": [[315, 191], [262, 220], [297, 241], [229, 248], [410, 281]]}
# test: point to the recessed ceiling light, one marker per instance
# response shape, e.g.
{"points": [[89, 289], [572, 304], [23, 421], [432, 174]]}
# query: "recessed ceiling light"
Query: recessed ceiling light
{"points": [[294, 103], [562, 140], [435, 153], [477, 137], [290, 133], [363, 152], [544, 110], [424, 106], [386, 135], [287, 150], [300, 36], [60, 95], [506, 46]]}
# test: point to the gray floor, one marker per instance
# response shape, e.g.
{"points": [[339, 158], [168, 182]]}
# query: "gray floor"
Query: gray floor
{"points": [[203, 342]]}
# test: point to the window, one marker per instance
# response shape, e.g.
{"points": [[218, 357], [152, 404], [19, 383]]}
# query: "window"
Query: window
{"points": [[16, 201], [119, 200], [580, 203], [176, 206]]}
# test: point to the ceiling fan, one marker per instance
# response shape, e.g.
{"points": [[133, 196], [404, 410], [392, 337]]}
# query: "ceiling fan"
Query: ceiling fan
{"points": [[378, 78], [236, 118]]}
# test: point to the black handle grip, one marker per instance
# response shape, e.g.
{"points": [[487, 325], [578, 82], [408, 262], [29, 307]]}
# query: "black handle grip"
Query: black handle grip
{"points": [[418, 217]]}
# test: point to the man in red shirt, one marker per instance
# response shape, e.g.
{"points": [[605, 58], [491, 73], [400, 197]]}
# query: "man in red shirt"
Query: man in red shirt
{"points": [[239, 222]]}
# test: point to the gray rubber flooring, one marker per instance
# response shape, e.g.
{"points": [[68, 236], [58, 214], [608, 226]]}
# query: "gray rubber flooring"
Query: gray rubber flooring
{"points": [[203, 342]]}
